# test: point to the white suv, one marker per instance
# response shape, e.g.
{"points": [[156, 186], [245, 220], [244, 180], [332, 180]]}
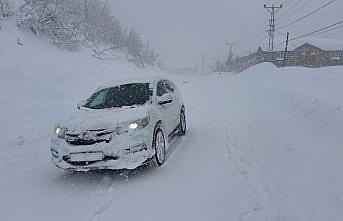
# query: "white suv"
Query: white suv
{"points": [[121, 126]]}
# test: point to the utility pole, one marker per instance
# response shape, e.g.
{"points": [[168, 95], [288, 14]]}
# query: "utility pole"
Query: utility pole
{"points": [[203, 64], [271, 32], [286, 50], [230, 48], [237, 64]]}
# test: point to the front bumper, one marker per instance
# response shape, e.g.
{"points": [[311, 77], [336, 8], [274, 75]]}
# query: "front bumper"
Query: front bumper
{"points": [[127, 151], [128, 161]]}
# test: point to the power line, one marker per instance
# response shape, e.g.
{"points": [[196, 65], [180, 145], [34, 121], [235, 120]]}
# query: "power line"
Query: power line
{"points": [[254, 45], [301, 7], [307, 15], [284, 35], [319, 31], [332, 29], [257, 32], [255, 35], [325, 29], [290, 8]]}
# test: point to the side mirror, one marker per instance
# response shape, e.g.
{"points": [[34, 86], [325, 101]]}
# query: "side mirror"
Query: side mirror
{"points": [[165, 99], [81, 104]]}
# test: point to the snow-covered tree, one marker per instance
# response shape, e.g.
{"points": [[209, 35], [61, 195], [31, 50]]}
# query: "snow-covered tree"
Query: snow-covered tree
{"points": [[134, 46], [149, 56], [71, 23], [58, 19], [5, 10]]}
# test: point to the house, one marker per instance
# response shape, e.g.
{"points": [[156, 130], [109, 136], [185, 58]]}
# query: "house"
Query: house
{"points": [[308, 52]]}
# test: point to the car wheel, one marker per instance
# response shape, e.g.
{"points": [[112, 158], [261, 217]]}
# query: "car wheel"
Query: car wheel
{"points": [[159, 144], [182, 124]]}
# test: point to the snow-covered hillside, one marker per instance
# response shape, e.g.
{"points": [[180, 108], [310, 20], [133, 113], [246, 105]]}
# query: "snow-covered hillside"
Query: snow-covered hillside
{"points": [[40, 81], [262, 145]]}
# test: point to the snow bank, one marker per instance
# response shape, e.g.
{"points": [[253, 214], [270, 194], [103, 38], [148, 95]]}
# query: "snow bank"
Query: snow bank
{"points": [[286, 125], [262, 67]]}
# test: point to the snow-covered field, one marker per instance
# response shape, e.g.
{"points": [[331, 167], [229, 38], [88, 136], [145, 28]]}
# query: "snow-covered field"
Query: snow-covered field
{"points": [[263, 145]]}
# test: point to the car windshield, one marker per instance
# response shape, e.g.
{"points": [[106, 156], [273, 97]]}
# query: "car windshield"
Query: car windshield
{"points": [[127, 95]]}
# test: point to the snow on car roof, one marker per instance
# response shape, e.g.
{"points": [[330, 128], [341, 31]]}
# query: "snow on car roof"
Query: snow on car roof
{"points": [[145, 79]]}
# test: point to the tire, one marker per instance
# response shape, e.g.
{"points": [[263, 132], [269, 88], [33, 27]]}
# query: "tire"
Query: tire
{"points": [[159, 144], [183, 123]]}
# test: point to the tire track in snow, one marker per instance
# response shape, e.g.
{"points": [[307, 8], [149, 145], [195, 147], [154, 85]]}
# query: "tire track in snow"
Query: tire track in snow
{"points": [[108, 183], [107, 192], [103, 187], [174, 147], [261, 199], [231, 147], [231, 150]]}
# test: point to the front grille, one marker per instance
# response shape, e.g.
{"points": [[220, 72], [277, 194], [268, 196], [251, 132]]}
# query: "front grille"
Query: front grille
{"points": [[89, 137], [86, 163], [83, 142], [81, 164]]}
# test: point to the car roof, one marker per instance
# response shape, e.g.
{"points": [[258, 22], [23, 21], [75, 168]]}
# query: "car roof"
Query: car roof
{"points": [[142, 79]]}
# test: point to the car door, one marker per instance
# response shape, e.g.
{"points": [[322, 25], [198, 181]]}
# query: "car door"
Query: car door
{"points": [[166, 110], [175, 112]]}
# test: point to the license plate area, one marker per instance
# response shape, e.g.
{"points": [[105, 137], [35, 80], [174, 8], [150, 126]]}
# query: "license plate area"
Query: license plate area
{"points": [[86, 157]]}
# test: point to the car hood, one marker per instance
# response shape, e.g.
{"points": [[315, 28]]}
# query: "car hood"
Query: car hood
{"points": [[87, 119]]}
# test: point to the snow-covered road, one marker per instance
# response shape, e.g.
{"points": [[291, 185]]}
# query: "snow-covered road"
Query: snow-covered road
{"points": [[252, 153], [262, 145], [198, 182]]}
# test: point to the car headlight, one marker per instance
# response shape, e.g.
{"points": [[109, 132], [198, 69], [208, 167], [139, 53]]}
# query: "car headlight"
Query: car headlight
{"points": [[139, 124], [134, 125], [60, 131]]}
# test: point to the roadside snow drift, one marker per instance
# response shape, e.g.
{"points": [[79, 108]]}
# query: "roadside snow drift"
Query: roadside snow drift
{"points": [[262, 145]]}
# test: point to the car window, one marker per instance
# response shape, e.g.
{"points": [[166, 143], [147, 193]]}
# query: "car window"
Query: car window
{"points": [[161, 89], [169, 86], [98, 98], [174, 86], [127, 95]]}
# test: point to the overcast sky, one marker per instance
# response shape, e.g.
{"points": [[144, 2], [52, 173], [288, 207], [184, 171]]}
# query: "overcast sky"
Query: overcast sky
{"points": [[196, 27]]}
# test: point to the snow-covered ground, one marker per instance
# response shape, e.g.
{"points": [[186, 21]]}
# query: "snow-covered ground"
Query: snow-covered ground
{"points": [[263, 145]]}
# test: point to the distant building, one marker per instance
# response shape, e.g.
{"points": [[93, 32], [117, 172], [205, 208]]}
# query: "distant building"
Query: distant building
{"points": [[312, 53]]}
